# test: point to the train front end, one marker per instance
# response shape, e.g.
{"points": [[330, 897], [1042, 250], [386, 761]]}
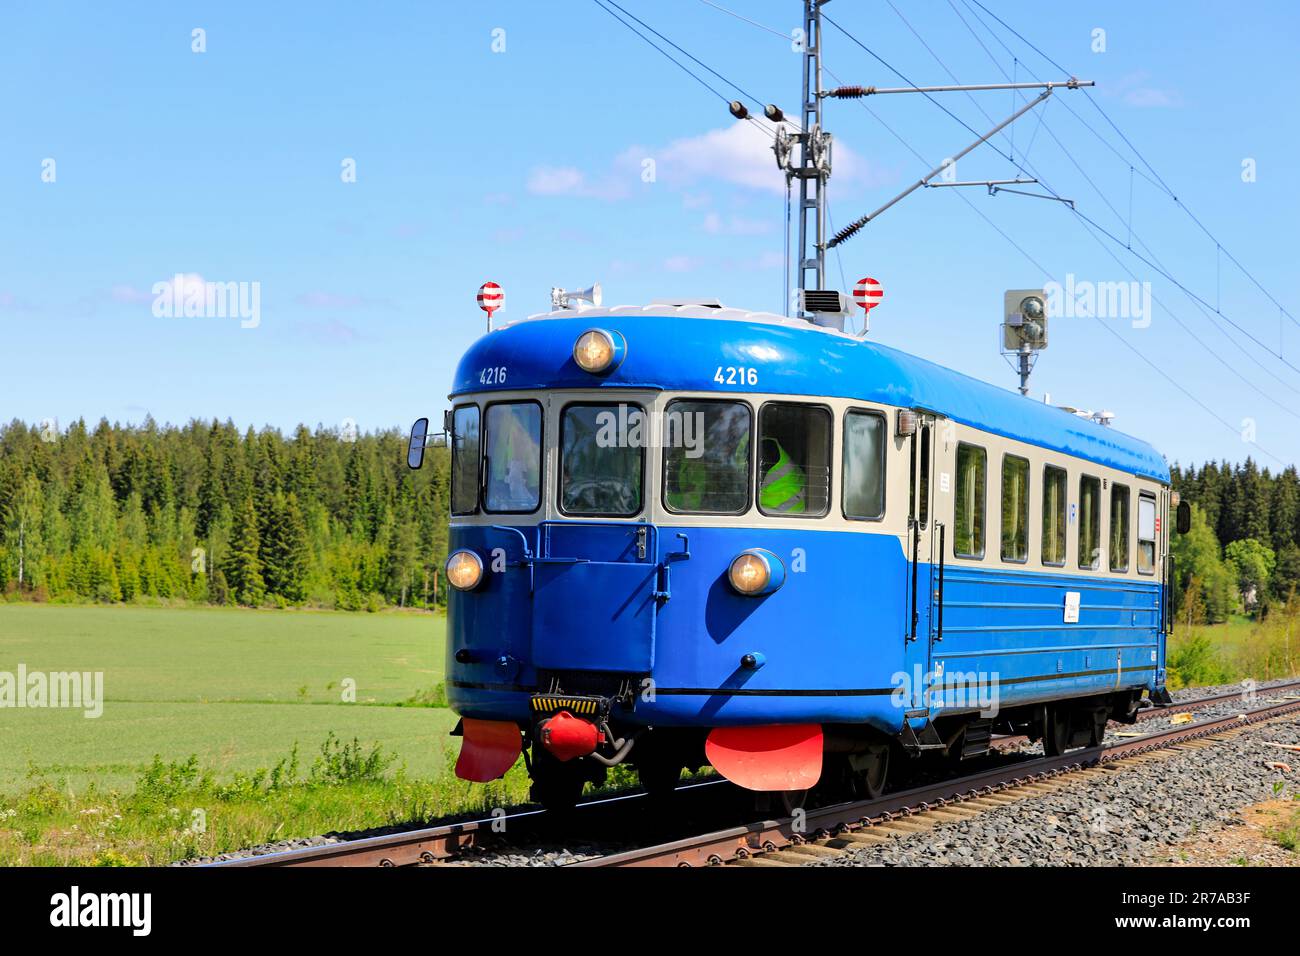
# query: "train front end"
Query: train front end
{"points": [[627, 555]]}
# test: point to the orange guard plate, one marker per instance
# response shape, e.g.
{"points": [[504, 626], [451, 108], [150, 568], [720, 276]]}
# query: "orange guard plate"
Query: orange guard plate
{"points": [[772, 757], [488, 749]]}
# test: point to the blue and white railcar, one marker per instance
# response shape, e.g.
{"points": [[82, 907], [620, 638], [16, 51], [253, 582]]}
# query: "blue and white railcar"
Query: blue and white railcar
{"points": [[686, 533]]}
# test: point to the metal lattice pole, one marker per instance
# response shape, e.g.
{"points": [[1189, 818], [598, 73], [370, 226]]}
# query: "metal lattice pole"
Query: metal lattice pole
{"points": [[812, 171]]}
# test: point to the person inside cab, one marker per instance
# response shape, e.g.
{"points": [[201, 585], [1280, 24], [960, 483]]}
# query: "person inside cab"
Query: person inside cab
{"points": [[784, 487]]}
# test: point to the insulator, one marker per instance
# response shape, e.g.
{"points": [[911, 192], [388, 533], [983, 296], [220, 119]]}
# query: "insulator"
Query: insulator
{"points": [[848, 232], [738, 110], [773, 112], [851, 92]]}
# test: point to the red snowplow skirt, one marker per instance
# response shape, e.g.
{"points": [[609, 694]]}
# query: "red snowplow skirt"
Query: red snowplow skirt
{"points": [[488, 749], [771, 757]]}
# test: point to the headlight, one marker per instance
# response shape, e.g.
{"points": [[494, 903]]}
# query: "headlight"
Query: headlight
{"points": [[598, 351], [756, 572], [464, 570]]}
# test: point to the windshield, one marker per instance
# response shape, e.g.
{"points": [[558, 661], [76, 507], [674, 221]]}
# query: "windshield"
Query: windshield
{"points": [[602, 451], [513, 457]]}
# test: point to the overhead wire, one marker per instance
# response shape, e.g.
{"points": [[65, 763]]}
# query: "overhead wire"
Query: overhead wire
{"points": [[1158, 178], [1046, 273]]}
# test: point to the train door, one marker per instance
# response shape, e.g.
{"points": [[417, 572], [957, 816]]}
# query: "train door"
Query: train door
{"points": [[925, 534], [597, 561]]}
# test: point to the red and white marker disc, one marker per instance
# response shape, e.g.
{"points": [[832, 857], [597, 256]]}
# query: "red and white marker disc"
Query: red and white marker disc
{"points": [[868, 293], [490, 297]]}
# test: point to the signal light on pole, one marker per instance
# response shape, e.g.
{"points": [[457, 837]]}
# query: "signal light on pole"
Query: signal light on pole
{"points": [[868, 293], [490, 298]]}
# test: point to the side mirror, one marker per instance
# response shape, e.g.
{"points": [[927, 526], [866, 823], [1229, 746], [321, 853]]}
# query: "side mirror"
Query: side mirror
{"points": [[415, 448], [1183, 520]]}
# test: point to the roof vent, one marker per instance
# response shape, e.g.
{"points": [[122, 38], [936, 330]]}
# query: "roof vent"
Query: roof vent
{"points": [[697, 303]]}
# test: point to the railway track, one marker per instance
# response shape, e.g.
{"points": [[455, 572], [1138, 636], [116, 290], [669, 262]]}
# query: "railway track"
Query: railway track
{"points": [[827, 831]]}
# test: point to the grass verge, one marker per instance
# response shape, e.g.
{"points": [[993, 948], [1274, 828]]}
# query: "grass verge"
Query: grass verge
{"points": [[177, 810]]}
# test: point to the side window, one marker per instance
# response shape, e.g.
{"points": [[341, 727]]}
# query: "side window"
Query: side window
{"points": [[706, 457], [1119, 521], [794, 460], [464, 460], [1015, 508], [1089, 522], [864, 465], [513, 457], [1146, 534], [925, 476], [968, 517], [1054, 511]]}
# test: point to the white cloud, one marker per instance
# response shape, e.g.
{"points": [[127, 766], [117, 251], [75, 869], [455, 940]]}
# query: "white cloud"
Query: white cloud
{"points": [[739, 154], [1133, 89], [129, 295], [1150, 97], [330, 300], [571, 181], [681, 264], [715, 225]]}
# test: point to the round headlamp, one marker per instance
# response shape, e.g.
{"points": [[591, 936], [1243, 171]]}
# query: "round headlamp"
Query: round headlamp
{"points": [[598, 351], [464, 570], [755, 572]]}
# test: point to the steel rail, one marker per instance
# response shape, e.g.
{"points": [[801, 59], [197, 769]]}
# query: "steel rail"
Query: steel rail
{"points": [[427, 844], [444, 842], [1011, 742], [736, 843]]}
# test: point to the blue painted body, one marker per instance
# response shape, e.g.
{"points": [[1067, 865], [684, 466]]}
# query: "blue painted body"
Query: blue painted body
{"points": [[791, 361], [834, 641]]}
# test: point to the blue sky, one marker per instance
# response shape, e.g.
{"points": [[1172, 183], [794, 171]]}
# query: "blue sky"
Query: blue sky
{"points": [[524, 167]]}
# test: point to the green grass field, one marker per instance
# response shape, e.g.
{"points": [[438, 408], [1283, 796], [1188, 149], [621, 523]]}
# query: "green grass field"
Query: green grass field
{"points": [[235, 687]]}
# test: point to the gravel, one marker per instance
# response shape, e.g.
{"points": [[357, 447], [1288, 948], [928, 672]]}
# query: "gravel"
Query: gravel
{"points": [[1133, 816], [557, 855]]}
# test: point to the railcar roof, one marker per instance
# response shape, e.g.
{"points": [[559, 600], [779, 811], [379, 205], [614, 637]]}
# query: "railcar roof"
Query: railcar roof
{"points": [[680, 349]]}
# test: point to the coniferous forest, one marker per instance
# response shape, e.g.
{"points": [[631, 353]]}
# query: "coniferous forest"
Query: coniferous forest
{"points": [[1243, 551], [205, 514]]}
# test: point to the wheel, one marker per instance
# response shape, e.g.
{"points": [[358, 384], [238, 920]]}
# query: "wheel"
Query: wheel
{"points": [[872, 777], [557, 785], [1099, 721], [659, 778], [1056, 731], [793, 800]]}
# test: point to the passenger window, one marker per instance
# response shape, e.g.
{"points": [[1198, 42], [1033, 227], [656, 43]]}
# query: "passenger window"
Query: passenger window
{"points": [[794, 454], [1015, 508], [1119, 517], [925, 476], [602, 455], [513, 457], [706, 457], [968, 518], [1146, 534], [464, 460], [1089, 522], [1054, 495], [864, 465]]}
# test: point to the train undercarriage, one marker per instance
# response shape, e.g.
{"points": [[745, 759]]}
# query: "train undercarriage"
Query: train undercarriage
{"points": [[574, 740]]}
